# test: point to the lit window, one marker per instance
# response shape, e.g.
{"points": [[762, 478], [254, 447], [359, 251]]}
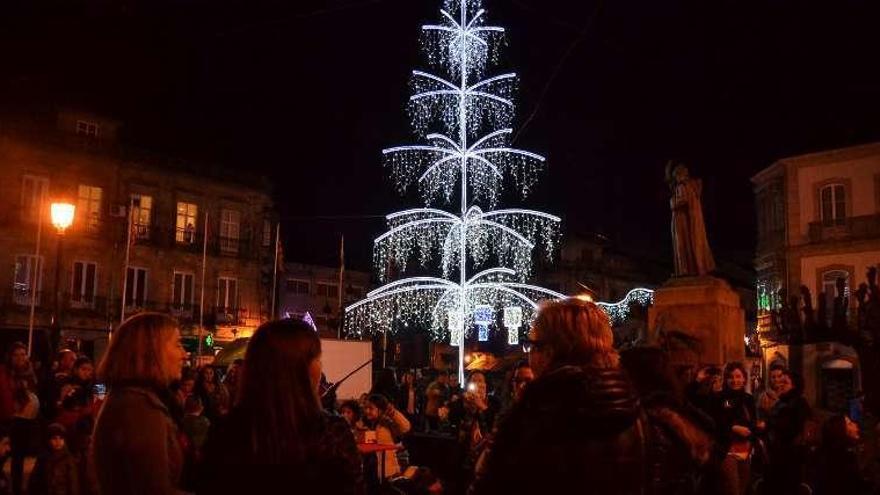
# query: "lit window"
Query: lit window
{"points": [[186, 223], [88, 210], [142, 207], [86, 128], [833, 204]]}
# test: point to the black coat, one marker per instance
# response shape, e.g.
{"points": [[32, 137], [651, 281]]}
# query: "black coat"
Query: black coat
{"points": [[573, 427], [332, 464], [728, 409]]}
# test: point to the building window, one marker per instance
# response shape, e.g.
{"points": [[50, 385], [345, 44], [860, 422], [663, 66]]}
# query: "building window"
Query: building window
{"points": [[294, 286], [182, 293], [354, 292], [136, 287], [86, 128], [142, 208], [267, 233], [85, 277], [28, 275], [33, 196], [833, 204], [230, 226], [227, 294], [88, 209], [829, 289], [186, 223], [328, 290]]}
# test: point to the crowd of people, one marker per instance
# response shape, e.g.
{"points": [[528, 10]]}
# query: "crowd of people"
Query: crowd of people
{"points": [[575, 413]]}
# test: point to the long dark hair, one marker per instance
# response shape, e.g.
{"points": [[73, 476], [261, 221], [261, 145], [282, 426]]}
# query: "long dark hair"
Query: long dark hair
{"points": [[280, 405]]}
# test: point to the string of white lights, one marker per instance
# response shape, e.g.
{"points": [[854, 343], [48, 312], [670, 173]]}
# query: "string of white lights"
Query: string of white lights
{"points": [[618, 311], [464, 117]]}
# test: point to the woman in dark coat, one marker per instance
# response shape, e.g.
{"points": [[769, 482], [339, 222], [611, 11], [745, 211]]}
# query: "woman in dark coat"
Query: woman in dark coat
{"points": [[135, 446], [734, 413], [577, 424], [277, 437], [786, 433]]}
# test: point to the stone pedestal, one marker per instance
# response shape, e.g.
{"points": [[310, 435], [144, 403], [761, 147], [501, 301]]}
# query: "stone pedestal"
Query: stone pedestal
{"points": [[699, 319]]}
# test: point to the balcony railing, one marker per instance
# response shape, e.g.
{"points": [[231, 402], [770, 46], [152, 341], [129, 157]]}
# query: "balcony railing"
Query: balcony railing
{"points": [[229, 316], [103, 308], [193, 242], [22, 297], [861, 227]]}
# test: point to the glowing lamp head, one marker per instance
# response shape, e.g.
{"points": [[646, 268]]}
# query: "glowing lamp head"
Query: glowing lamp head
{"points": [[62, 215]]}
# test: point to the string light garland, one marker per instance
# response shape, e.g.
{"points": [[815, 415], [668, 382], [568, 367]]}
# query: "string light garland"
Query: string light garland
{"points": [[463, 116], [618, 312]]}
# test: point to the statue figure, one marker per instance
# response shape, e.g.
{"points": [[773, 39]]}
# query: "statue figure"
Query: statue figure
{"points": [[691, 247]]}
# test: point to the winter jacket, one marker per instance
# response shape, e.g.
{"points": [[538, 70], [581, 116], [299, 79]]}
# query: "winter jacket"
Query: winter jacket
{"points": [[679, 446], [196, 428], [574, 427], [732, 408], [55, 474], [135, 447], [332, 464]]}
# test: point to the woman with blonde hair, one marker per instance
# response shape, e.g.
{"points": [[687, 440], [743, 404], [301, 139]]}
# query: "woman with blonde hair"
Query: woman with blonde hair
{"points": [[577, 423], [135, 446]]}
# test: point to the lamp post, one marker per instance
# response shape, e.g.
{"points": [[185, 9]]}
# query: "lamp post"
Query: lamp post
{"points": [[62, 218]]}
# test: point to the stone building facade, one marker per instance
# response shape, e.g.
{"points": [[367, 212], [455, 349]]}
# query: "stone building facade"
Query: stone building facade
{"points": [[314, 289], [818, 221], [171, 205]]}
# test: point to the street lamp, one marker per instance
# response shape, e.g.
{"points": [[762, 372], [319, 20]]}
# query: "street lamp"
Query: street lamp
{"points": [[62, 218]]}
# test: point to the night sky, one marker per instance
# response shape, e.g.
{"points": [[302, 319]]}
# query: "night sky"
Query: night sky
{"points": [[310, 92]]}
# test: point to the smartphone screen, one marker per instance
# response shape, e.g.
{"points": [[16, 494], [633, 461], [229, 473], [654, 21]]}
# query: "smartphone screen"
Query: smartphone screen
{"points": [[100, 391]]}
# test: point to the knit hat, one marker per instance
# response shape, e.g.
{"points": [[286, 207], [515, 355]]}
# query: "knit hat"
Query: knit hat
{"points": [[55, 430]]}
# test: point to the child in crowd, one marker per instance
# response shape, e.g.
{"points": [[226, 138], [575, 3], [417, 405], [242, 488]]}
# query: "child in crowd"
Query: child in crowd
{"points": [[56, 472], [351, 411], [195, 425]]}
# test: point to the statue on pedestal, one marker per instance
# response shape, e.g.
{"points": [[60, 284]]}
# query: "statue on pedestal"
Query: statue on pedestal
{"points": [[693, 257]]}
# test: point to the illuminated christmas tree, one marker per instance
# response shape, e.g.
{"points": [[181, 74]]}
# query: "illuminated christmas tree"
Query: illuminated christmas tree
{"points": [[462, 112]]}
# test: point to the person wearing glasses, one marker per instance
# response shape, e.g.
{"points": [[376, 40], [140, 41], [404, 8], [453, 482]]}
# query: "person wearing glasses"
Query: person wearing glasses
{"points": [[577, 423]]}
